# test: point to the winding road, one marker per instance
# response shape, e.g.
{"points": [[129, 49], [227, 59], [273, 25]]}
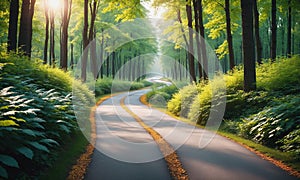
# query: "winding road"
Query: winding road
{"points": [[125, 150]]}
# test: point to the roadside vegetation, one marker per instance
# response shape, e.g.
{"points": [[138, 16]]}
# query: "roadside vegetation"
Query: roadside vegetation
{"points": [[37, 120], [269, 116]]}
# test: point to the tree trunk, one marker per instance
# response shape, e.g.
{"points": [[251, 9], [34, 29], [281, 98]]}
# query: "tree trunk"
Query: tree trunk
{"points": [[191, 44], [289, 31], [202, 41], [229, 35], [72, 56], [196, 18], [13, 25], [31, 13], [101, 53], [52, 40], [257, 38], [85, 40], [248, 46], [24, 27], [64, 33], [46, 32], [273, 31]]}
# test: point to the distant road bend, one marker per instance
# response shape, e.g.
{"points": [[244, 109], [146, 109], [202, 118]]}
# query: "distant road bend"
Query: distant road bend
{"points": [[135, 155]]}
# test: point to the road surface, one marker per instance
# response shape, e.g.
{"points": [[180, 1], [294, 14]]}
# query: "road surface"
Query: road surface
{"points": [[124, 150]]}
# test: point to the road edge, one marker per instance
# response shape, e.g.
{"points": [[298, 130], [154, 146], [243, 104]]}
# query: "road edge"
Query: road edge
{"points": [[278, 163]]}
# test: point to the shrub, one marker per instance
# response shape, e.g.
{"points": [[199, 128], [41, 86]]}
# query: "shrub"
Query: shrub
{"points": [[36, 115], [181, 101], [277, 125], [108, 85]]}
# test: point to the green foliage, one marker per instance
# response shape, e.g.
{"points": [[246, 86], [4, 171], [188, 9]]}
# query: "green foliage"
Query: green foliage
{"points": [[277, 125], [108, 85], [36, 115], [159, 96], [181, 101], [269, 116]]}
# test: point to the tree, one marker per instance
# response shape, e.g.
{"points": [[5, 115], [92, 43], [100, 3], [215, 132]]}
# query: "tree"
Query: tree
{"points": [[13, 25], [202, 41], [52, 39], [88, 35], [289, 30], [257, 38], [273, 31], [66, 14], [190, 45], [248, 45], [25, 32], [46, 7], [229, 35]]}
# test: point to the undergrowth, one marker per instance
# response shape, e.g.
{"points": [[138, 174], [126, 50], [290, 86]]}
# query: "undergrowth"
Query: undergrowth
{"points": [[37, 116]]}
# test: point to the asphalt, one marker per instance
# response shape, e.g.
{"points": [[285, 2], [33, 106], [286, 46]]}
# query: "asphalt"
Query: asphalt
{"points": [[202, 153]]}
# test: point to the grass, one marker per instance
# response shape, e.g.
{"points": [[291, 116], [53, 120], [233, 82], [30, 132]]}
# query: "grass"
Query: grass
{"points": [[67, 157]]}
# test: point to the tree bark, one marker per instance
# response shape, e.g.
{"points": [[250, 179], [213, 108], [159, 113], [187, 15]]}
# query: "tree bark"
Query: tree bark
{"points": [[66, 14], [85, 40], [289, 30], [52, 40], [196, 19], [202, 41], [46, 32], [273, 31], [72, 56], [248, 46], [24, 27], [191, 44], [13, 25], [229, 35], [257, 37]]}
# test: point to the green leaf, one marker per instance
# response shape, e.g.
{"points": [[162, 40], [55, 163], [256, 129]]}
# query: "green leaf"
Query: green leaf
{"points": [[49, 142], [3, 172], [9, 161], [64, 128], [8, 123], [39, 146], [26, 152]]}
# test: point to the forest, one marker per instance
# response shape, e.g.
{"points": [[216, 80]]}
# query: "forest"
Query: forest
{"points": [[241, 53]]}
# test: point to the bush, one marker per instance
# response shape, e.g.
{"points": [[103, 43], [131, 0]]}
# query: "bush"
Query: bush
{"points": [[181, 101], [277, 125], [36, 116], [163, 91], [108, 85]]}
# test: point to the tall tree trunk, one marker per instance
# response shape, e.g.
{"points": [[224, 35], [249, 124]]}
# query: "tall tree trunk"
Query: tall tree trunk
{"points": [[52, 40], [31, 13], [289, 30], [85, 40], [101, 53], [46, 31], [191, 44], [257, 38], [202, 40], [13, 25], [248, 46], [229, 35], [66, 14], [196, 19], [72, 56], [273, 31], [24, 27]]}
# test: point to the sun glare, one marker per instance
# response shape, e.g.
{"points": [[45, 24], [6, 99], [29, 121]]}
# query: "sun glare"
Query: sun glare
{"points": [[54, 4]]}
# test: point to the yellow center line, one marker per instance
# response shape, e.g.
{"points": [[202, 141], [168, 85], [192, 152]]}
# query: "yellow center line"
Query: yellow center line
{"points": [[174, 165]]}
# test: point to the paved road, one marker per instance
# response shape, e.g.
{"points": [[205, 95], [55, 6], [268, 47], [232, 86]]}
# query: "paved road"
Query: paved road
{"points": [[125, 149]]}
